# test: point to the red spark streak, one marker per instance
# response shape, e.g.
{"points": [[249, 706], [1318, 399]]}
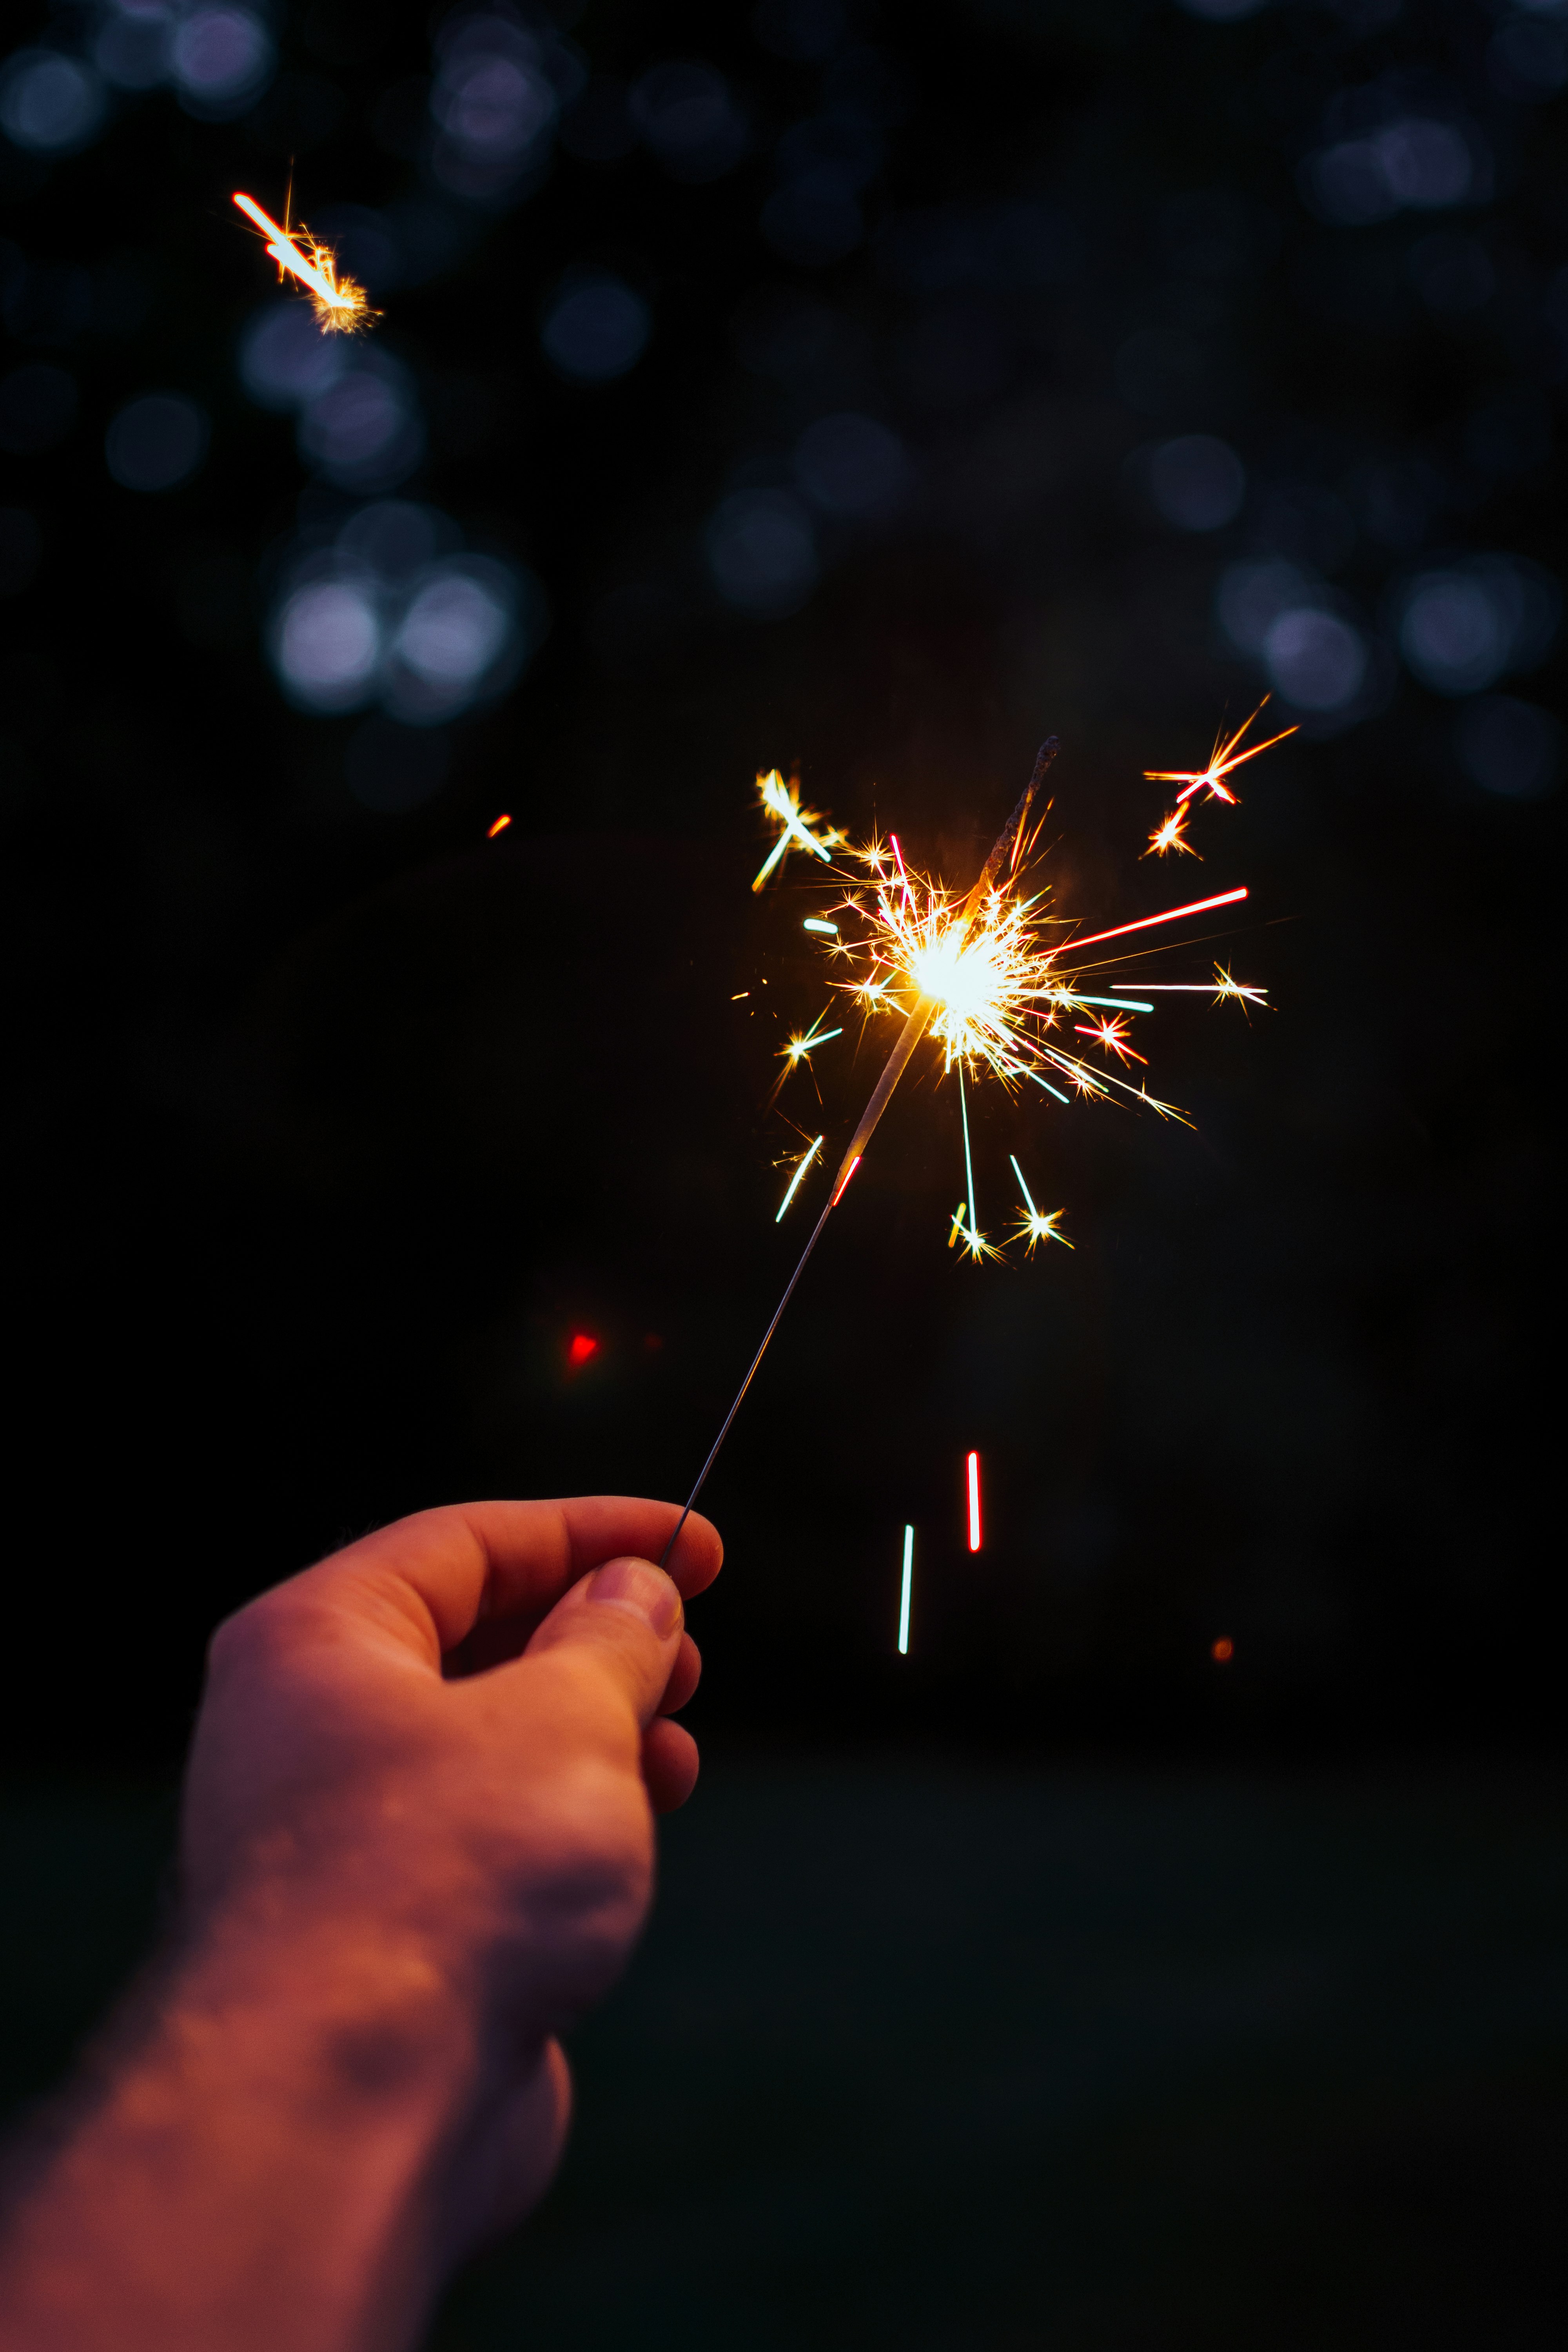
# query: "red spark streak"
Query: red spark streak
{"points": [[1171, 914], [973, 1467], [848, 1173]]}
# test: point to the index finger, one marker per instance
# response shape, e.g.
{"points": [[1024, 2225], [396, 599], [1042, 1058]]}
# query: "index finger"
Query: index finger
{"points": [[469, 1561]]}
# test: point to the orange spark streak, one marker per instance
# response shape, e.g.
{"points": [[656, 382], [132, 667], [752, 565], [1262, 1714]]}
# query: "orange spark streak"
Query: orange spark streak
{"points": [[1171, 914], [1220, 765], [499, 825]]}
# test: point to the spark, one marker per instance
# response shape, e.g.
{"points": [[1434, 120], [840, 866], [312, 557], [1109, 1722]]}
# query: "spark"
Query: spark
{"points": [[799, 1048], [1171, 834], [794, 1182], [1222, 987], [1039, 1225], [973, 1473], [811, 923], [741, 997], [783, 801], [1111, 1036], [904, 1592], [977, 1248], [1223, 760], [499, 825], [582, 1347], [1222, 1650], [1147, 922], [339, 305]]}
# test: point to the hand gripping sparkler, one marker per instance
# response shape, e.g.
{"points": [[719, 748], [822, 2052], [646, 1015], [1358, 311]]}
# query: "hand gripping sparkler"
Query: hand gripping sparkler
{"points": [[1007, 848]]}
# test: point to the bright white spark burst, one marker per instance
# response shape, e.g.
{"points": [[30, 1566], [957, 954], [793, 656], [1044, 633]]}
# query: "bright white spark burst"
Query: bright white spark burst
{"points": [[999, 1004]]}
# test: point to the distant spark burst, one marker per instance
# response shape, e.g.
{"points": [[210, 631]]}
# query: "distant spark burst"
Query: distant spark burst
{"points": [[796, 825], [341, 308], [1171, 832]]}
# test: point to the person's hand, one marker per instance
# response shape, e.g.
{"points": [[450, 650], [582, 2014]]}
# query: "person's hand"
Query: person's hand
{"points": [[446, 1742]]}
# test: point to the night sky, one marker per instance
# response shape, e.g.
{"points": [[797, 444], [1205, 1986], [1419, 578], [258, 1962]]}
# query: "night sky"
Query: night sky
{"points": [[867, 392]]}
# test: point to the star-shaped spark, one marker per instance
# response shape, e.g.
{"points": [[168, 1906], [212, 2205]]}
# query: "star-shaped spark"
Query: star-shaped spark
{"points": [[975, 1246], [1038, 1224], [783, 801], [1226, 759], [1171, 834]]}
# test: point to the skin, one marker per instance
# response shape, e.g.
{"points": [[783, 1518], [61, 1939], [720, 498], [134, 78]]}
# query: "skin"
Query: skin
{"points": [[417, 1844]]}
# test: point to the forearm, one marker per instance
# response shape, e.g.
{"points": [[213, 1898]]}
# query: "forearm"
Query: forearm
{"points": [[265, 2164]]}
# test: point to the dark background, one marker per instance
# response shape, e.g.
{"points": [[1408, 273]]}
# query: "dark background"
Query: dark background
{"points": [[333, 1121]]}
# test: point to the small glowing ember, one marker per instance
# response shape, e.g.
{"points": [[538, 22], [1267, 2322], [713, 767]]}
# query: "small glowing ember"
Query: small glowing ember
{"points": [[499, 825]]}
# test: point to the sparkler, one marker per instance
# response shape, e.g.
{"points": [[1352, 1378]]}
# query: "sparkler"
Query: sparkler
{"points": [[976, 975], [1009, 843], [339, 305]]}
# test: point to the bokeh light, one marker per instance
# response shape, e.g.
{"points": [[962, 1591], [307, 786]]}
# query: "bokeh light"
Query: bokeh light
{"points": [[1461, 629], [363, 431], [221, 58], [395, 610], [761, 553], [685, 114], [1511, 748], [157, 442], [327, 644], [595, 329], [851, 464], [49, 103], [131, 45], [1415, 162], [285, 359], [495, 103], [1197, 482], [1316, 661]]}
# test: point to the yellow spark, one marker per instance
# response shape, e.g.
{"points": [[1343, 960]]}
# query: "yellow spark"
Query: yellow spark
{"points": [[799, 1047], [1223, 760], [339, 305], [1236, 990], [1171, 835], [783, 801]]}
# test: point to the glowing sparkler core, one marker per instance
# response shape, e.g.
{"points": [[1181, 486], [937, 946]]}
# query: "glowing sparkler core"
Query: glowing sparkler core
{"points": [[340, 307]]}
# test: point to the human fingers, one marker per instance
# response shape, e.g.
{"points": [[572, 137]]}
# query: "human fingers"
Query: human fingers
{"points": [[669, 1764], [434, 1576], [624, 1625], [684, 1677]]}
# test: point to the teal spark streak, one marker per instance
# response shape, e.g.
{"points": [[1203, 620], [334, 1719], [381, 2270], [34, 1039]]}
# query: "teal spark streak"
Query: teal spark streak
{"points": [[795, 1180]]}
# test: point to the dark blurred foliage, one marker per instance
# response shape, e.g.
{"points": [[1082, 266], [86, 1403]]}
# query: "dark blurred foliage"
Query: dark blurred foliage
{"points": [[870, 390]]}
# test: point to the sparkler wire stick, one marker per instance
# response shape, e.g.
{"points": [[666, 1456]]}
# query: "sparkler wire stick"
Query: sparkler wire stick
{"points": [[898, 1061]]}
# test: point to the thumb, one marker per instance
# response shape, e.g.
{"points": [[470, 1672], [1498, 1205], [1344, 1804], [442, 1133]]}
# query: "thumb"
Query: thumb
{"points": [[627, 1617]]}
